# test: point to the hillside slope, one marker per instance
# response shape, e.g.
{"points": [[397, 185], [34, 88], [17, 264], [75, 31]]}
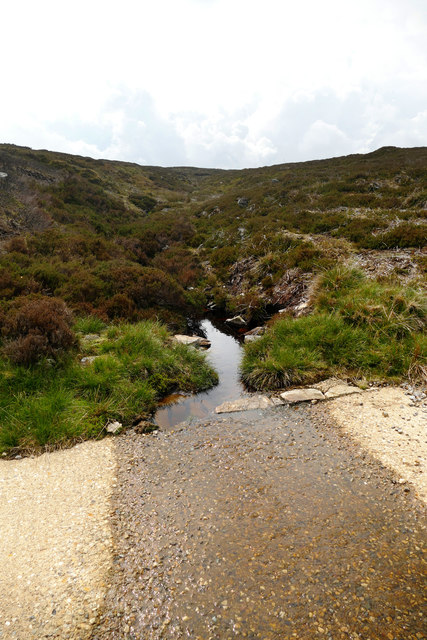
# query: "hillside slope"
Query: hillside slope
{"points": [[119, 239]]}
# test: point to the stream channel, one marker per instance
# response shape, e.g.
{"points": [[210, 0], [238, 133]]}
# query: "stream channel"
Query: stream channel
{"points": [[224, 354], [258, 525]]}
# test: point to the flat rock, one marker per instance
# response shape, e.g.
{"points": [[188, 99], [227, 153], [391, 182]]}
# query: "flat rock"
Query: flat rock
{"points": [[341, 390], [302, 395], [245, 404], [192, 341], [325, 385]]}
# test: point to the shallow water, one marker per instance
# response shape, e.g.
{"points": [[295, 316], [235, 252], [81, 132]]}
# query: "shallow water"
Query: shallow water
{"points": [[224, 355], [262, 525]]}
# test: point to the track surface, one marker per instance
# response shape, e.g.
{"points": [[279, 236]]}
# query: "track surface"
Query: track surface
{"points": [[261, 525]]}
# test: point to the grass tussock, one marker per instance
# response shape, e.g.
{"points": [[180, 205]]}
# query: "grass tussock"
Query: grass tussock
{"points": [[359, 327], [53, 404]]}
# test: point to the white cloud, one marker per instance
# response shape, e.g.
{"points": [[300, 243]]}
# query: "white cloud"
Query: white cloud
{"points": [[324, 140], [214, 82]]}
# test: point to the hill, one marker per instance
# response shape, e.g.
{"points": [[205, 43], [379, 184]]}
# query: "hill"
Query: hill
{"points": [[86, 246], [119, 239]]}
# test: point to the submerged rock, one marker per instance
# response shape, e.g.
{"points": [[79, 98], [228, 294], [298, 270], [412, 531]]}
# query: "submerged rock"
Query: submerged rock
{"points": [[144, 426], [245, 404]]}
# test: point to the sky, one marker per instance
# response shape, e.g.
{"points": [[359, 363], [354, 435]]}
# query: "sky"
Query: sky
{"points": [[214, 83]]}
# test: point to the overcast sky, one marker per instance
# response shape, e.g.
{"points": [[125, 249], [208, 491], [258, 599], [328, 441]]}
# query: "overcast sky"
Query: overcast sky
{"points": [[217, 83]]}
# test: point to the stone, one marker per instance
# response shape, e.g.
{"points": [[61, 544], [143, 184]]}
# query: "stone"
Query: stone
{"points": [[302, 395], [245, 404], [113, 427], [341, 390], [276, 401], [237, 321], [325, 385], [88, 360], [242, 202], [254, 334], [302, 306], [193, 341]]}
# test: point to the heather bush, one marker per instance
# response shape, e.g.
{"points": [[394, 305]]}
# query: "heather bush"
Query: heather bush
{"points": [[37, 328]]}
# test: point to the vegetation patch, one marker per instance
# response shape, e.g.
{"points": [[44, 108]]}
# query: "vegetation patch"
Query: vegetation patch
{"points": [[129, 368], [358, 328]]}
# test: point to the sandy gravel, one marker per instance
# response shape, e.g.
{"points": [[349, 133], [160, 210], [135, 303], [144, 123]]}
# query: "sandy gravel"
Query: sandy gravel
{"points": [[55, 541], [392, 427]]}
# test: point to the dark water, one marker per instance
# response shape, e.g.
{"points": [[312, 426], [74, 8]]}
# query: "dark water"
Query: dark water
{"points": [[224, 355]]}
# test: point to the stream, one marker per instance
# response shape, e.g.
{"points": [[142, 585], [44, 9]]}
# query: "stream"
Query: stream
{"points": [[265, 525], [224, 354]]}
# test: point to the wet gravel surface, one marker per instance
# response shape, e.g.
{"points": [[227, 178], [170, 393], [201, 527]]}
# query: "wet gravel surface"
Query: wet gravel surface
{"points": [[263, 525]]}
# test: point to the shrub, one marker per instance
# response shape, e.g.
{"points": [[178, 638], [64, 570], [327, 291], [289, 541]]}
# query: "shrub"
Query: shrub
{"points": [[119, 306], [146, 203], [18, 244], [36, 329]]}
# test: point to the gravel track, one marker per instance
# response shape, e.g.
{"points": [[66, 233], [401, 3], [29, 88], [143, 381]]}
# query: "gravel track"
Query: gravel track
{"points": [[392, 427], [266, 524], [261, 525], [55, 541]]}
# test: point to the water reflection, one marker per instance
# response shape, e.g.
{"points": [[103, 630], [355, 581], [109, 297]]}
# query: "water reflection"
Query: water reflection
{"points": [[224, 355]]}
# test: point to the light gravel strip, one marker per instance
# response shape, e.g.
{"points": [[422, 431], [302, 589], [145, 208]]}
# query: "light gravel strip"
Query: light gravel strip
{"points": [[55, 541], [391, 427]]}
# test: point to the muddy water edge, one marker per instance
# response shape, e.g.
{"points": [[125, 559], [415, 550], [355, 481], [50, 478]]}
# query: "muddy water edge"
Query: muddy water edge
{"points": [[265, 525]]}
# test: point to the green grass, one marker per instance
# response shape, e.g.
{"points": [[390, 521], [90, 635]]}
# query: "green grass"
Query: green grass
{"points": [[359, 328], [89, 324], [53, 405]]}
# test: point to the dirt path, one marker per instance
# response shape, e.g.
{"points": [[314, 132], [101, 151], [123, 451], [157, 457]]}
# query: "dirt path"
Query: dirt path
{"points": [[392, 425], [261, 525], [55, 541], [266, 524]]}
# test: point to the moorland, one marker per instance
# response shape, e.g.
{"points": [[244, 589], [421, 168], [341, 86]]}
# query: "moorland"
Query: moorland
{"points": [[102, 260]]}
